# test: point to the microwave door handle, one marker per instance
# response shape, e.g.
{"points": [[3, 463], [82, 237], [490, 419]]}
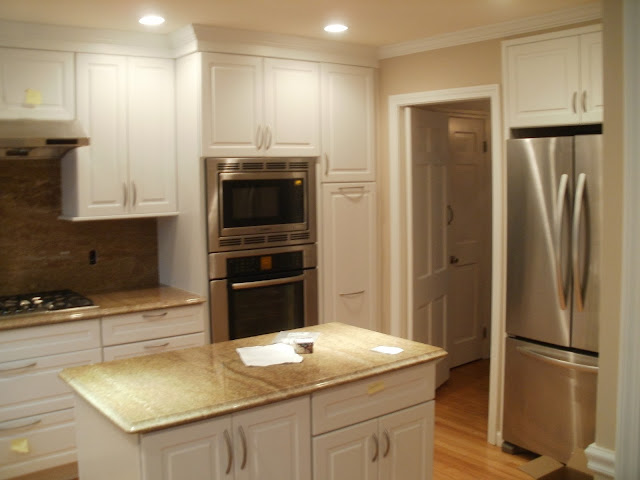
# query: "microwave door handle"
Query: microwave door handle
{"points": [[267, 283]]}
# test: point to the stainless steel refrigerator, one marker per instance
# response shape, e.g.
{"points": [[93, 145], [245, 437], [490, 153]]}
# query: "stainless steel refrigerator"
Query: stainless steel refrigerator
{"points": [[553, 275]]}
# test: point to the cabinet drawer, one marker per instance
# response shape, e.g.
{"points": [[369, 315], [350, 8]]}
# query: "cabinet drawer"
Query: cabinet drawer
{"points": [[32, 386], [48, 441], [33, 342], [137, 349], [371, 397], [168, 322]]}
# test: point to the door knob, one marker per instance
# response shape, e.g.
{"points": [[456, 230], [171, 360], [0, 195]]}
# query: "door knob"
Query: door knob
{"points": [[453, 259]]}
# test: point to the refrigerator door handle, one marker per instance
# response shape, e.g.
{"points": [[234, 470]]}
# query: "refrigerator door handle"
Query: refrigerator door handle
{"points": [[580, 367], [562, 193], [575, 236]]}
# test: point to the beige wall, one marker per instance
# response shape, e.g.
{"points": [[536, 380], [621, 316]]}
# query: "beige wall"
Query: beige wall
{"points": [[612, 240]]}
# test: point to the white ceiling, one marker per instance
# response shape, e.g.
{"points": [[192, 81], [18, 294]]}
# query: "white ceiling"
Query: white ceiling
{"points": [[372, 22]]}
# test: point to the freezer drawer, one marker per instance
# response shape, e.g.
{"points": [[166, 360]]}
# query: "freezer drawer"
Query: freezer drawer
{"points": [[549, 399]]}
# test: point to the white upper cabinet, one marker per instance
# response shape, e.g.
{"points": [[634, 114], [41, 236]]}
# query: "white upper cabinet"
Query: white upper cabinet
{"points": [[554, 79], [36, 84], [256, 106], [348, 124], [127, 106]]}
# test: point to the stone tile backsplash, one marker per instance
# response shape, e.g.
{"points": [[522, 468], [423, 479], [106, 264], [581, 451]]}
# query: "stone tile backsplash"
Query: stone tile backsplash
{"points": [[40, 252]]}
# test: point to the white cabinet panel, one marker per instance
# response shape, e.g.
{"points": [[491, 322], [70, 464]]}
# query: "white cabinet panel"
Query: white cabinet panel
{"points": [[127, 105], [348, 124], [255, 106], [349, 254], [137, 349], [152, 324], [554, 79], [36, 84]]}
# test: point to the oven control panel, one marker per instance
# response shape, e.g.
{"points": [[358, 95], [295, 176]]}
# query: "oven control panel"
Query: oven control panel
{"points": [[255, 264]]}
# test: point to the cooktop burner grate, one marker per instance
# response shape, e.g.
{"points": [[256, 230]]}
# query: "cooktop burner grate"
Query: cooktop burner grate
{"points": [[40, 302]]}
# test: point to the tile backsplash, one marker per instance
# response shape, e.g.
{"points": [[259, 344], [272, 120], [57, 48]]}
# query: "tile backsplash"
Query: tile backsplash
{"points": [[40, 252]]}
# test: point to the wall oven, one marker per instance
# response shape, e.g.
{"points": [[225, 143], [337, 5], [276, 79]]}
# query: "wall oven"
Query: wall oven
{"points": [[253, 292], [259, 202]]}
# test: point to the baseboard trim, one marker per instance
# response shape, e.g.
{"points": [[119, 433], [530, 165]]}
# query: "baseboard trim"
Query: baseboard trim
{"points": [[601, 460]]}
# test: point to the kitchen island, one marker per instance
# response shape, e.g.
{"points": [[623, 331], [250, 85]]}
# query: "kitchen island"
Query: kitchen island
{"points": [[201, 413]]}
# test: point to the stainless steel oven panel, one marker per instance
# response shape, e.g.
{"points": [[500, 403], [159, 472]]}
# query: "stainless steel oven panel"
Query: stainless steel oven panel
{"points": [[259, 236], [218, 260], [220, 304]]}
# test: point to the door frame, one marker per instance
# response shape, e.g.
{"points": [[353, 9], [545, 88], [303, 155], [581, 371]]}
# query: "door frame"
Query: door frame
{"points": [[400, 251]]}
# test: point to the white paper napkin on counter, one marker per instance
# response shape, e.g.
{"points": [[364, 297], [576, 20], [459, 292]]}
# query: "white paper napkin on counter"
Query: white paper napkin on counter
{"points": [[263, 356]]}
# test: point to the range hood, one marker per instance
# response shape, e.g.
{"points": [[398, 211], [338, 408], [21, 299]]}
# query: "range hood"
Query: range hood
{"points": [[31, 139]]}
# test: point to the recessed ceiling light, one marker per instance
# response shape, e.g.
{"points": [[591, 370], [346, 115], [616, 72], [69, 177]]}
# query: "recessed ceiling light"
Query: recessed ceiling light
{"points": [[335, 28], [151, 20]]}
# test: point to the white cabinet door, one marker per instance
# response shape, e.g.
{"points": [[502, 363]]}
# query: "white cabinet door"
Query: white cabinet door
{"points": [[200, 451], [36, 84], [544, 82], [349, 252], [274, 442], [348, 124], [129, 168], [232, 105], [152, 149], [350, 453], [406, 443], [292, 108], [259, 107], [592, 101]]}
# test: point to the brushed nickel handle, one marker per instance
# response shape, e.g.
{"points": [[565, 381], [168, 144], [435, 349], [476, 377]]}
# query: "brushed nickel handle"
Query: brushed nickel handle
{"points": [[449, 215], [227, 440], [135, 194], [29, 365], [584, 101], [267, 283], [126, 193], [356, 192], [352, 294], [269, 137], [149, 347], [530, 352], [24, 425], [386, 450], [562, 193], [573, 102], [154, 315], [326, 164], [375, 441], [259, 137], [244, 448], [575, 234]]}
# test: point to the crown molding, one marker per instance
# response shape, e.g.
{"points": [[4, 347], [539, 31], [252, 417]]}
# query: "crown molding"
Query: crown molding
{"points": [[560, 18]]}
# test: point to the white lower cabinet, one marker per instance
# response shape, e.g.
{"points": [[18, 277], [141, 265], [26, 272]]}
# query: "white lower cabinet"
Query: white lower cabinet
{"points": [[397, 446]]}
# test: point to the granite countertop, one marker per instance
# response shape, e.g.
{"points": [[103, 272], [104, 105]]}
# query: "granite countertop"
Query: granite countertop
{"points": [[153, 392], [111, 303]]}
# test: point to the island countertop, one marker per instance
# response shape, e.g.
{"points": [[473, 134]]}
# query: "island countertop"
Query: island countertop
{"points": [[153, 392]]}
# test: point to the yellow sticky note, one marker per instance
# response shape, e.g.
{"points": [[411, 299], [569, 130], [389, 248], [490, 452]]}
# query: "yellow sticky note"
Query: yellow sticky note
{"points": [[375, 387], [20, 445], [32, 97]]}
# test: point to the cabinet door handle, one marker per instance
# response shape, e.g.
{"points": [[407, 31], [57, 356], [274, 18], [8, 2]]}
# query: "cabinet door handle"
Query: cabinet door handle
{"points": [[244, 448], [154, 315], [351, 294], [354, 193], [24, 425], [227, 440], [326, 164], [135, 194], [29, 365], [269, 137], [584, 101], [575, 98], [388, 440], [126, 193], [259, 137], [375, 441], [149, 347]]}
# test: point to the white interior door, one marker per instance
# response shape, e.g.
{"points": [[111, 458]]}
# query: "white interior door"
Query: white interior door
{"points": [[469, 234], [427, 145]]}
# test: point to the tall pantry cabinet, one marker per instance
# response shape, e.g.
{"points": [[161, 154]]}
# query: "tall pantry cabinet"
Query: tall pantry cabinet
{"points": [[348, 203]]}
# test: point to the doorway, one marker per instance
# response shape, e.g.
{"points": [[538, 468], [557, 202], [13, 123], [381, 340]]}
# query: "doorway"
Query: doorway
{"points": [[401, 226]]}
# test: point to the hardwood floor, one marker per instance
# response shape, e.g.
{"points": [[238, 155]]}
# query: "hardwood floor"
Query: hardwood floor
{"points": [[461, 448]]}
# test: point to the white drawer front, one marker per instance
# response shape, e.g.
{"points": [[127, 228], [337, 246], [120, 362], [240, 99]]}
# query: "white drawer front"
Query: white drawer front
{"points": [[30, 342], [32, 386], [365, 399], [47, 440], [137, 349], [167, 322]]}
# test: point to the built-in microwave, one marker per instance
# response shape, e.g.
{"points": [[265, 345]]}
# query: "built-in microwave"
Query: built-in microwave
{"points": [[260, 202]]}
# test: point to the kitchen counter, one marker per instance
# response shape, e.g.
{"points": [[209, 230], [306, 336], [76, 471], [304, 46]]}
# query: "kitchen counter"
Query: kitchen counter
{"points": [[110, 303], [154, 392]]}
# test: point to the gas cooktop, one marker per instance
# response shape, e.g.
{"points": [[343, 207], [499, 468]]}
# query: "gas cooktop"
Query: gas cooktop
{"points": [[42, 302]]}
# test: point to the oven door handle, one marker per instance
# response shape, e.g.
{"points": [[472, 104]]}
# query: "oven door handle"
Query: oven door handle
{"points": [[267, 283]]}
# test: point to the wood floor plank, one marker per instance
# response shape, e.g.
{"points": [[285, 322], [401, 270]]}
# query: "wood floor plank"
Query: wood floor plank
{"points": [[461, 448]]}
